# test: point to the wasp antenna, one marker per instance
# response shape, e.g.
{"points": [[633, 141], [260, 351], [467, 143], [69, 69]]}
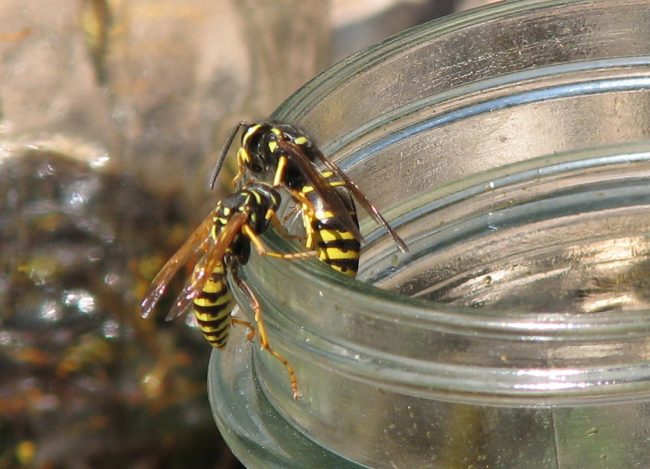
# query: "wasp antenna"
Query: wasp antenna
{"points": [[224, 152]]}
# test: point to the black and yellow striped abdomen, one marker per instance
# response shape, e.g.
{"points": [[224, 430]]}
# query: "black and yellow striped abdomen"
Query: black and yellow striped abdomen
{"points": [[335, 244], [212, 308]]}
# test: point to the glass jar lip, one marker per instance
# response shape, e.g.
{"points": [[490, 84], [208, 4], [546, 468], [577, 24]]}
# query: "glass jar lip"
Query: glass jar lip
{"points": [[294, 108], [398, 124]]}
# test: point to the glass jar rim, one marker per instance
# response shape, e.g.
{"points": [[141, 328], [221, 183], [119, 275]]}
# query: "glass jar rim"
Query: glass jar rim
{"points": [[308, 96]]}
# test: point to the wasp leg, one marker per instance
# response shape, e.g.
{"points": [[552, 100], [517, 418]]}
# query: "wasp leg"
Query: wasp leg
{"points": [[251, 330], [290, 213], [261, 249], [264, 340], [240, 169], [308, 213], [279, 226], [222, 156], [280, 171], [301, 199]]}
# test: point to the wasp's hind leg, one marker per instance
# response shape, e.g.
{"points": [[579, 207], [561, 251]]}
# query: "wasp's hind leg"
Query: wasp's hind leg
{"points": [[251, 330], [264, 340], [262, 251], [279, 225], [306, 208]]}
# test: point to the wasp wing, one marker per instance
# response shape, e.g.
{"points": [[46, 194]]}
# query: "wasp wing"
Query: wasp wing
{"points": [[206, 265], [361, 198], [331, 198], [197, 243]]}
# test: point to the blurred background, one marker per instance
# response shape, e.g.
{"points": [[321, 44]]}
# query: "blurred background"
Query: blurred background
{"points": [[111, 115]]}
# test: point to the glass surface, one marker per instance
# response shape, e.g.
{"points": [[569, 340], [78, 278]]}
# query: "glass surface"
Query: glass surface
{"points": [[510, 146]]}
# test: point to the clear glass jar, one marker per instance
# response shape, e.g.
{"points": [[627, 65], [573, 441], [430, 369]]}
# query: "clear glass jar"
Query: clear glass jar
{"points": [[510, 147]]}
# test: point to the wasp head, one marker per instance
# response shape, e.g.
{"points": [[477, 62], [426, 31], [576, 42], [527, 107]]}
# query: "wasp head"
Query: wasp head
{"points": [[261, 142], [255, 152]]}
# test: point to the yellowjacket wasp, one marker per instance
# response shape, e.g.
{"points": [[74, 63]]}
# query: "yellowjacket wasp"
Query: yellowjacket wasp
{"points": [[223, 242]]}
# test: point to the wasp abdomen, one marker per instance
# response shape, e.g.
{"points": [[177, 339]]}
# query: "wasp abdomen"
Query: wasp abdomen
{"points": [[212, 308], [336, 245], [337, 248]]}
